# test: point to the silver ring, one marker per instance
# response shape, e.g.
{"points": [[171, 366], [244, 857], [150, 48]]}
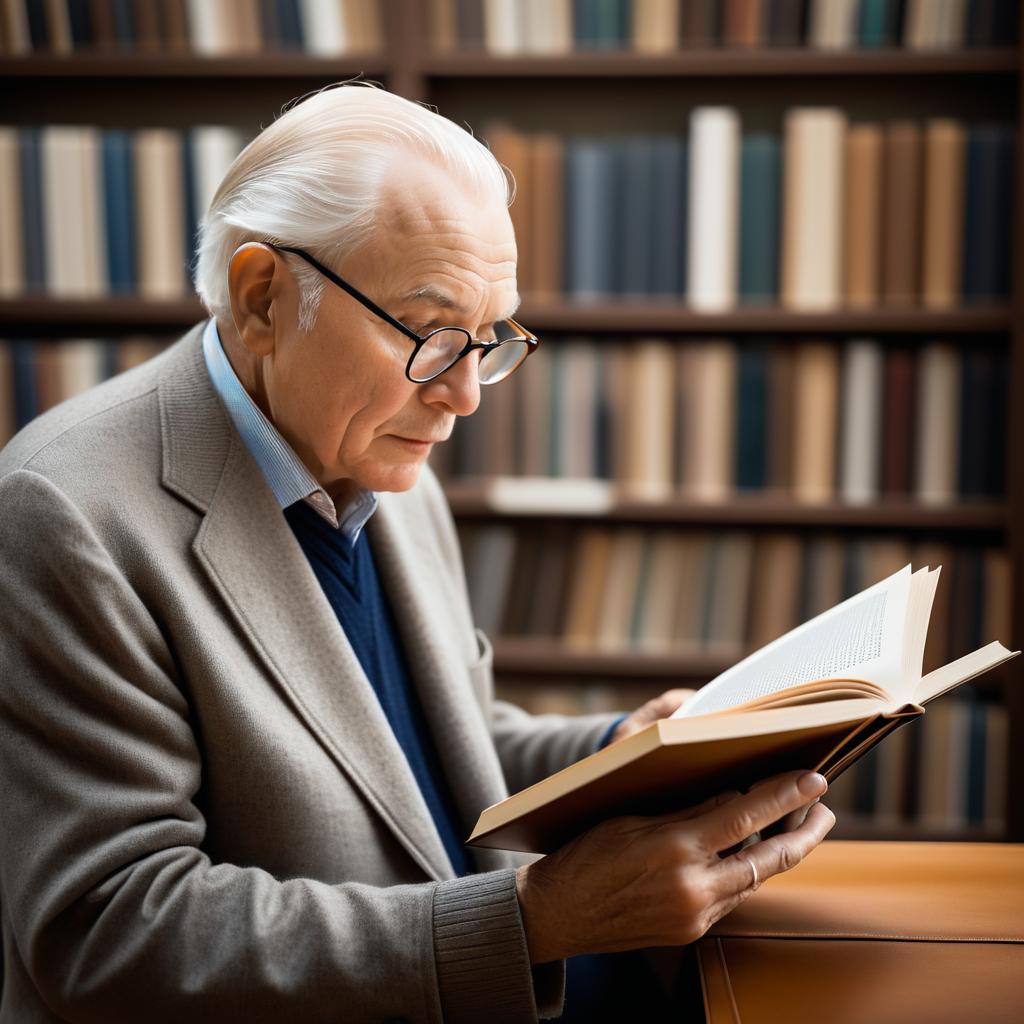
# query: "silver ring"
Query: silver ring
{"points": [[756, 881]]}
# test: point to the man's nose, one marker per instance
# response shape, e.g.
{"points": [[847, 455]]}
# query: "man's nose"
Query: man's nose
{"points": [[457, 389]]}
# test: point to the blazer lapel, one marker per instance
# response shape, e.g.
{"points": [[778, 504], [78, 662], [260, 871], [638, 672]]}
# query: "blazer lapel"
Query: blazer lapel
{"points": [[408, 565], [247, 549]]}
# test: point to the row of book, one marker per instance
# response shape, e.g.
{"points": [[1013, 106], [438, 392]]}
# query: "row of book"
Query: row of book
{"points": [[943, 774], [205, 28], [89, 212], [824, 215], [821, 421], [511, 27], [37, 375], [604, 588]]}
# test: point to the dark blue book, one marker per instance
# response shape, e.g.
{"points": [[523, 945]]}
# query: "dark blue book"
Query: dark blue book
{"points": [[584, 24], [119, 204], [750, 464], [289, 21], [80, 21], [976, 730], [601, 24], [590, 218], [983, 424], [32, 228], [638, 216], [871, 24], [988, 214], [760, 190], [38, 29], [23, 367], [124, 24], [668, 241]]}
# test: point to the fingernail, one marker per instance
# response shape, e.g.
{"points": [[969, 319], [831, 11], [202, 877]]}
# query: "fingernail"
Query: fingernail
{"points": [[812, 784]]}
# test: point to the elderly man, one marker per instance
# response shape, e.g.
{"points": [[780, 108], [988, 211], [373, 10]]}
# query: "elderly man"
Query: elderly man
{"points": [[247, 719]]}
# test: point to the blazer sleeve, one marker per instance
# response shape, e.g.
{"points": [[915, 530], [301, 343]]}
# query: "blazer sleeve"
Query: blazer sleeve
{"points": [[113, 908]]}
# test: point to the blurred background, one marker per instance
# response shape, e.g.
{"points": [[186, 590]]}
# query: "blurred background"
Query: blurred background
{"points": [[772, 249]]}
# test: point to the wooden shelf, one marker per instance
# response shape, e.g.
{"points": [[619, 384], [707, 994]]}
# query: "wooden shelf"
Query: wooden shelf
{"points": [[469, 500], [601, 318], [158, 65], [713, 63], [550, 659]]}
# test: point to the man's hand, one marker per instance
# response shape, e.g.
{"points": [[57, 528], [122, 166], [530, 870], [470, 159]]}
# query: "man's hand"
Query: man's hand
{"points": [[658, 707], [635, 882]]}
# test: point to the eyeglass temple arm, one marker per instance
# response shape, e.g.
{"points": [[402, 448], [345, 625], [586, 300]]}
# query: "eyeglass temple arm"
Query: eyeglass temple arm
{"points": [[345, 286]]}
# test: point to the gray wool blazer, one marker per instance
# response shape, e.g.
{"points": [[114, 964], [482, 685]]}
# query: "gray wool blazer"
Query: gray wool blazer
{"points": [[204, 814]]}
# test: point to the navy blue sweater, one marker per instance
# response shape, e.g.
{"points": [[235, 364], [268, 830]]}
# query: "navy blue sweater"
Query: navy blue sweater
{"points": [[348, 576]]}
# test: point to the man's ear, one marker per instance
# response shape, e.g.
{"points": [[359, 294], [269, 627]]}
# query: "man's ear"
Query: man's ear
{"points": [[255, 280]]}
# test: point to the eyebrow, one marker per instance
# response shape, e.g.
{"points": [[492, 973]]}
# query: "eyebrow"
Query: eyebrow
{"points": [[432, 294]]}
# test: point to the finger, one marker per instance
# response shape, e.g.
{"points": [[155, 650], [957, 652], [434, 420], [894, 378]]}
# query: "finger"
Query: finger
{"points": [[773, 856], [730, 824], [670, 700]]}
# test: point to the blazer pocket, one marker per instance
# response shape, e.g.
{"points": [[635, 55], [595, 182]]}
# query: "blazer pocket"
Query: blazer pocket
{"points": [[481, 671]]}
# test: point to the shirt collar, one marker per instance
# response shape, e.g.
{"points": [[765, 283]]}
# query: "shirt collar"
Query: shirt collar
{"points": [[286, 474]]}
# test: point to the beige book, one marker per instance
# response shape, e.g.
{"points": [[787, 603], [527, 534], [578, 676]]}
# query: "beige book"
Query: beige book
{"points": [[920, 25], [245, 32], [812, 209], [365, 28], [80, 366], [504, 28], [816, 398], [135, 350], [159, 197], [7, 420], [211, 28], [618, 603], [650, 422], [937, 430], [862, 216], [708, 421], [944, 188], [655, 26], [726, 622], [58, 25], [545, 211], [819, 697], [12, 264], [578, 440], [16, 31], [547, 26], [659, 603], [586, 592], [775, 600], [443, 28], [214, 149], [832, 24], [860, 431], [695, 571], [901, 227]]}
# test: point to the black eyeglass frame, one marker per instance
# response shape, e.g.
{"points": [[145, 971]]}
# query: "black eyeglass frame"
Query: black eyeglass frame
{"points": [[471, 343]]}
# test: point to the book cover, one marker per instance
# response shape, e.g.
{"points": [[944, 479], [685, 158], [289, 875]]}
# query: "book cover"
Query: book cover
{"points": [[862, 216], [861, 427], [901, 226], [760, 191], [989, 197], [944, 194]]}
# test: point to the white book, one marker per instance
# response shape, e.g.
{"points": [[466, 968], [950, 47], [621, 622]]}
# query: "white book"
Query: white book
{"points": [[547, 26], [937, 429], [812, 209], [504, 27], [209, 28], [861, 405], [80, 363], [713, 232], [160, 214], [12, 265], [64, 211], [832, 24], [323, 27], [214, 149]]}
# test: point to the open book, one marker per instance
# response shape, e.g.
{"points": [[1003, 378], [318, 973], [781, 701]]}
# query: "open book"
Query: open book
{"points": [[817, 698]]}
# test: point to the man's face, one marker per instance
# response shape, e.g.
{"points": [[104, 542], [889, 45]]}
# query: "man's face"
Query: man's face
{"points": [[339, 393]]}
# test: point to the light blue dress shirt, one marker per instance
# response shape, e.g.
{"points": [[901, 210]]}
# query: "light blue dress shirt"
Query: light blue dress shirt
{"points": [[286, 474]]}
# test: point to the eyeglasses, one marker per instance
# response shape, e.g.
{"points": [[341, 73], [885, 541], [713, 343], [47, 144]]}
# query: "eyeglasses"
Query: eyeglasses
{"points": [[442, 348]]}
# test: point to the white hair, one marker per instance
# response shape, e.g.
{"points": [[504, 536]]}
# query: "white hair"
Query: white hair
{"points": [[313, 177]]}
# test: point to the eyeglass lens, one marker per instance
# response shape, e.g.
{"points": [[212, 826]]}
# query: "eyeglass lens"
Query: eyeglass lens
{"points": [[442, 348]]}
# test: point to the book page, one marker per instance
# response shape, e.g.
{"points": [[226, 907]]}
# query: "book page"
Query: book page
{"points": [[861, 638]]}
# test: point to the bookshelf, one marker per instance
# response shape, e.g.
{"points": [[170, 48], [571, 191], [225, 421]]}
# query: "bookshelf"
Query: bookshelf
{"points": [[603, 92]]}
